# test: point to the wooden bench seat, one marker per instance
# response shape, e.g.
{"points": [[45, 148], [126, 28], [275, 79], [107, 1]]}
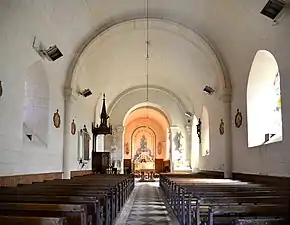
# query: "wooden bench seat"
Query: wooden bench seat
{"points": [[74, 214], [18, 220], [259, 221], [104, 195], [220, 201], [94, 210]]}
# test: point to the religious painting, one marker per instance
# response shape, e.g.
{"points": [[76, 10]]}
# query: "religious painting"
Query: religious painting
{"points": [[84, 144], [73, 128], [1, 89], [56, 119], [277, 107], [143, 149], [127, 149], [277, 93], [222, 127], [159, 148], [238, 119]]}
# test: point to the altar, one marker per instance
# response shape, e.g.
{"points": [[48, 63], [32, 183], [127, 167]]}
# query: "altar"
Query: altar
{"points": [[144, 161]]}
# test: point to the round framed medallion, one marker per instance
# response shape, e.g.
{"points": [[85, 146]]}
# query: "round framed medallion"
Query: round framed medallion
{"points": [[73, 127], [238, 119], [56, 119]]}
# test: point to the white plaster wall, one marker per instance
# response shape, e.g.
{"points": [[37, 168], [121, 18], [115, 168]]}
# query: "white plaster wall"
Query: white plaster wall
{"points": [[235, 30]]}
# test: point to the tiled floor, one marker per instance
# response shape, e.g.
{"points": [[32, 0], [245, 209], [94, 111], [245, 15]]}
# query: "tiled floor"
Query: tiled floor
{"points": [[146, 207]]}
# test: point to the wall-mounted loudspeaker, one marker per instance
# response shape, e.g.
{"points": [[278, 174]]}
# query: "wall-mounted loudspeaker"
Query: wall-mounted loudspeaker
{"points": [[209, 90], [273, 8], [52, 53], [87, 92]]}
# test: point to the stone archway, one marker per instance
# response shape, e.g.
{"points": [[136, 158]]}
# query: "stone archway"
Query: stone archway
{"points": [[152, 125]]}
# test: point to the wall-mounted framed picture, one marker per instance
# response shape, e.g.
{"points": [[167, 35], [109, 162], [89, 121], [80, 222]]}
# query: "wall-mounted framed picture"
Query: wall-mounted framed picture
{"points": [[238, 119]]}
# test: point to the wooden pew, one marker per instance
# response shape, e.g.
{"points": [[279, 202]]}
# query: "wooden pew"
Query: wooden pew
{"points": [[74, 214], [102, 194], [95, 186], [185, 195], [260, 221], [18, 220], [92, 203]]}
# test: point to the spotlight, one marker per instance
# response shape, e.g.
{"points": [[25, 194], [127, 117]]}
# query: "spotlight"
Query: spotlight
{"points": [[209, 90], [52, 53], [273, 8], [87, 92]]}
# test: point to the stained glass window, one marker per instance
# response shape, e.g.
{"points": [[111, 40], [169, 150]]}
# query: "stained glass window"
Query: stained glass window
{"points": [[277, 93], [277, 115]]}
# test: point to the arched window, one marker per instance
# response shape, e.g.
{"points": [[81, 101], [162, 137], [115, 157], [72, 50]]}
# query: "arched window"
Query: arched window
{"points": [[264, 101], [205, 139], [36, 105]]}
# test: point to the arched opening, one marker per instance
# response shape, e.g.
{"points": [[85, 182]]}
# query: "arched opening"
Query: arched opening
{"points": [[205, 137], [174, 96], [264, 101], [36, 105], [146, 140]]}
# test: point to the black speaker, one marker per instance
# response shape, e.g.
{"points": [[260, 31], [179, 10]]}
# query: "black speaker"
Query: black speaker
{"points": [[53, 53], [273, 8]]}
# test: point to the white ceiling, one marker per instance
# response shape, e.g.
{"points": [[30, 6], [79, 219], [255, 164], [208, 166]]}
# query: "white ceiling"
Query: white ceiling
{"points": [[234, 29]]}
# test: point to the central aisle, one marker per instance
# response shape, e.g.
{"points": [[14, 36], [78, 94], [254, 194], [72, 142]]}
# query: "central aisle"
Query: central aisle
{"points": [[146, 206]]}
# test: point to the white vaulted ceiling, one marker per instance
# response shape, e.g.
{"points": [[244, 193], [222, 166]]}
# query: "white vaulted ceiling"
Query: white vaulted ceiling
{"points": [[179, 61], [234, 29]]}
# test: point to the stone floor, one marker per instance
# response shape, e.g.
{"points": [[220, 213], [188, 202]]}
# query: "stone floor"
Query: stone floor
{"points": [[145, 207]]}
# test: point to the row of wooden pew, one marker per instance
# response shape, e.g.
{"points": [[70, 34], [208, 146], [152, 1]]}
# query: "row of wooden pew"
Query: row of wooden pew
{"points": [[86, 200], [220, 201]]}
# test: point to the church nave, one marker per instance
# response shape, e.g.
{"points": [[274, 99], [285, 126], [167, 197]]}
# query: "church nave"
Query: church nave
{"points": [[146, 206]]}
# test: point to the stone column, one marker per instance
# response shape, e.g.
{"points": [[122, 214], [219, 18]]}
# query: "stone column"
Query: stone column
{"points": [[188, 144], [228, 158], [66, 132], [120, 145]]}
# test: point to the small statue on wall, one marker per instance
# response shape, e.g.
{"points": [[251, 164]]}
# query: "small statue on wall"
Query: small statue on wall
{"points": [[198, 130], [222, 127], [56, 119], [178, 146]]}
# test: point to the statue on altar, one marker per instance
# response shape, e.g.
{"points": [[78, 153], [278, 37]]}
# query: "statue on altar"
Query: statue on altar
{"points": [[143, 158]]}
